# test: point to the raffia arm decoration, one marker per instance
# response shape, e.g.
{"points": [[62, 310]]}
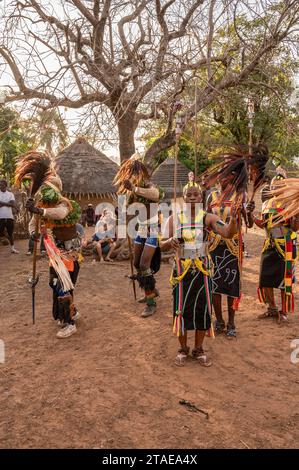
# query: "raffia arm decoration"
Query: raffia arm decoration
{"points": [[286, 195], [133, 170]]}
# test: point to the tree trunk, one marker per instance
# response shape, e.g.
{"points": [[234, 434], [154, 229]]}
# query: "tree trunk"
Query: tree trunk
{"points": [[162, 143], [126, 130]]}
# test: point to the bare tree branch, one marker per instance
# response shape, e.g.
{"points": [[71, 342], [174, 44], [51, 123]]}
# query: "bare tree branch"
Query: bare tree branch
{"points": [[210, 38], [128, 19], [85, 12], [128, 59], [100, 28]]}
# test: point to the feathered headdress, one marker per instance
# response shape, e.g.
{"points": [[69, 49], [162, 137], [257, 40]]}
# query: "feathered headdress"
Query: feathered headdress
{"points": [[236, 169], [231, 173], [257, 167], [133, 170], [286, 195], [35, 166]]}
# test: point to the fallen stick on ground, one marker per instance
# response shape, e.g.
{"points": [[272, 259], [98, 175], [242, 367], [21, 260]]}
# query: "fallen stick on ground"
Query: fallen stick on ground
{"points": [[191, 407], [244, 443]]}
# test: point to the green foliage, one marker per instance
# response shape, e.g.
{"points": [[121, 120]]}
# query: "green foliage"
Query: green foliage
{"points": [[17, 136], [224, 123], [13, 141], [269, 86], [275, 123], [48, 130], [160, 157], [49, 195], [186, 153], [73, 217]]}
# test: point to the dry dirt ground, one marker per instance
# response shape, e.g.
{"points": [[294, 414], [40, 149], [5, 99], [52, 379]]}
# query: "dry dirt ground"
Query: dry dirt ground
{"points": [[114, 385]]}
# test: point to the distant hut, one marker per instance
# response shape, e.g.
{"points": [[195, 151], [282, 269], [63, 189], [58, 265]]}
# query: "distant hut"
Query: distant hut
{"points": [[164, 177], [87, 174]]}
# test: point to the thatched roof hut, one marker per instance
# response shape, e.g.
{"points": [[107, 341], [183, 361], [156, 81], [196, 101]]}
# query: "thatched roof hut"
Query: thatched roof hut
{"points": [[164, 177], [86, 172]]}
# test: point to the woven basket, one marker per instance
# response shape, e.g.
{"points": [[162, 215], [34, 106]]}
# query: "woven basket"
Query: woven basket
{"points": [[65, 233]]}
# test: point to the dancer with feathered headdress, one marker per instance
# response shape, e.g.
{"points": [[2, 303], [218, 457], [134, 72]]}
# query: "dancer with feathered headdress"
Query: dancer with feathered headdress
{"points": [[55, 217], [191, 277], [281, 222], [133, 180], [233, 174]]}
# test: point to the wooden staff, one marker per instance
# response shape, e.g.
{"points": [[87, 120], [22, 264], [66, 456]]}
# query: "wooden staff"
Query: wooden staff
{"points": [[177, 138], [250, 125], [195, 134], [34, 278], [178, 132], [250, 141]]}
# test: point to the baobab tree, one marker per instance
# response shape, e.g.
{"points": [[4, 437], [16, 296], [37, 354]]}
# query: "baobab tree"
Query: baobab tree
{"points": [[129, 60]]}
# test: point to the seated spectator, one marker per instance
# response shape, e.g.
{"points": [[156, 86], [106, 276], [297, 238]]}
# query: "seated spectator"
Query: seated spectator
{"points": [[104, 244], [106, 218]]}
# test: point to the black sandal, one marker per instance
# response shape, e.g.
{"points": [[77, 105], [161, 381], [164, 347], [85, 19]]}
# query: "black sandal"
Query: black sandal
{"points": [[272, 312], [231, 331], [219, 327]]}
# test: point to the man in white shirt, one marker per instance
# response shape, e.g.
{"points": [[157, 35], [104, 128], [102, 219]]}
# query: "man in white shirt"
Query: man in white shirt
{"points": [[7, 202]]}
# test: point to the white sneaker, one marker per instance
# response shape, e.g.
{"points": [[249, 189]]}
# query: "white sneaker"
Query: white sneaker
{"points": [[13, 250], [76, 316], [149, 310], [67, 331], [29, 253]]}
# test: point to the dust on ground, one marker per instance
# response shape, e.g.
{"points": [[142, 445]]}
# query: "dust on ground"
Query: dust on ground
{"points": [[114, 385]]}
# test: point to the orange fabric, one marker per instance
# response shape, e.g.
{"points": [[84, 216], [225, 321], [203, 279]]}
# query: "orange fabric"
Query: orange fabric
{"points": [[69, 264]]}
